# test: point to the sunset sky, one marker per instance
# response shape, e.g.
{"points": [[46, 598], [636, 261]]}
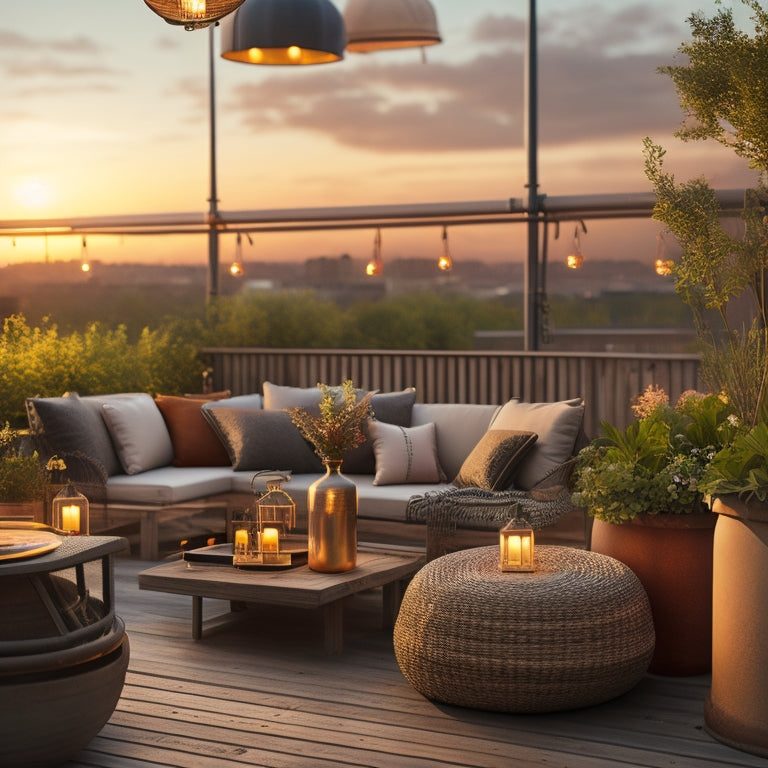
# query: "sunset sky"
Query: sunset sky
{"points": [[104, 110]]}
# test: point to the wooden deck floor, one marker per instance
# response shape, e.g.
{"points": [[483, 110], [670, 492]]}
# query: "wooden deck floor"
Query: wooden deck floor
{"points": [[259, 691]]}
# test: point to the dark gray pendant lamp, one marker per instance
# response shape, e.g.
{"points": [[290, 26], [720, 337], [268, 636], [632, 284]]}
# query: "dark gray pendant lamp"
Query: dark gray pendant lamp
{"points": [[374, 25], [192, 14], [284, 32]]}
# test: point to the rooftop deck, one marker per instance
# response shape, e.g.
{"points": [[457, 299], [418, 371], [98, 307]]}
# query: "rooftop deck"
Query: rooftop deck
{"points": [[259, 690]]}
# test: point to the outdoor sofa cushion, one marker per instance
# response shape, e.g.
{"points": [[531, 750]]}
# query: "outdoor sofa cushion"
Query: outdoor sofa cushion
{"points": [[405, 454], [492, 463]]}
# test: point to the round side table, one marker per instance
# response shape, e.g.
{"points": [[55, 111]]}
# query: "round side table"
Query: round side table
{"points": [[576, 632]]}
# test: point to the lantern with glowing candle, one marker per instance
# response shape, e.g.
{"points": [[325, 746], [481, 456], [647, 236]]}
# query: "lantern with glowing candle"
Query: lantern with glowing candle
{"points": [[516, 547], [70, 511]]}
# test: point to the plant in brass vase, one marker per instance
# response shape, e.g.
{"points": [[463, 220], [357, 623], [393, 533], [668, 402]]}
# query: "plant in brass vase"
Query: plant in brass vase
{"points": [[332, 499], [338, 427]]}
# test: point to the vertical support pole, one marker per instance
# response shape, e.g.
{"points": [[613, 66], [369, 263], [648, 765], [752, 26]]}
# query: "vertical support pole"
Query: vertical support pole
{"points": [[531, 271], [213, 201]]}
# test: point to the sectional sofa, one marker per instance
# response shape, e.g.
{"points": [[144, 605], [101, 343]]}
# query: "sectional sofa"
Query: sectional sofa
{"points": [[167, 462]]}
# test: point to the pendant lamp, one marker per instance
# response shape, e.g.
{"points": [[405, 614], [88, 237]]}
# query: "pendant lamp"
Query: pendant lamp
{"points": [[284, 32], [192, 14], [374, 25]]}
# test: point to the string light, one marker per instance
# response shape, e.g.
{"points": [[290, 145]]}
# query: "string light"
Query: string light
{"points": [[576, 259], [375, 266], [85, 264], [661, 265], [236, 267], [445, 263]]}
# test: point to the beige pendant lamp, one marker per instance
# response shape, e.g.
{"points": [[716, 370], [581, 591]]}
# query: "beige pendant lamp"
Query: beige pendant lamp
{"points": [[285, 32], [193, 14], [374, 25]]}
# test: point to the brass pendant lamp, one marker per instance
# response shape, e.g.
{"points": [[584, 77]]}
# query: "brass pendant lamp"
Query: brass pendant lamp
{"points": [[193, 14], [374, 25], [284, 32]]}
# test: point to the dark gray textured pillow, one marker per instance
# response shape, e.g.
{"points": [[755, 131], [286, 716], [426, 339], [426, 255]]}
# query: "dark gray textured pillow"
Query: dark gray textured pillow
{"points": [[390, 408], [69, 426], [262, 439], [492, 462]]}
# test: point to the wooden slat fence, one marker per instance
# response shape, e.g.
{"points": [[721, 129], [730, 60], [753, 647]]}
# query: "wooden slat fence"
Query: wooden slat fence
{"points": [[607, 382]]}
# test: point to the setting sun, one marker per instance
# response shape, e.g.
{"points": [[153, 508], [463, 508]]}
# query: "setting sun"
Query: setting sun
{"points": [[33, 193]]}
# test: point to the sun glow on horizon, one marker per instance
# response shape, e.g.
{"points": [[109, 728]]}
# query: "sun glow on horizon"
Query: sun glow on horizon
{"points": [[33, 193]]}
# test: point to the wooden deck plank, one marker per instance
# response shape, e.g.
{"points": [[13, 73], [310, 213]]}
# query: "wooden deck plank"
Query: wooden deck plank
{"points": [[259, 690]]}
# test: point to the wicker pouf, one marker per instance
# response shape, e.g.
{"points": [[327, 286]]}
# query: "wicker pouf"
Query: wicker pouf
{"points": [[576, 632]]}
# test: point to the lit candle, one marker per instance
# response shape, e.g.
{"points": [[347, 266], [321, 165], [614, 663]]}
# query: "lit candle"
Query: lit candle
{"points": [[70, 518], [514, 550], [241, 541], [269, 540]]}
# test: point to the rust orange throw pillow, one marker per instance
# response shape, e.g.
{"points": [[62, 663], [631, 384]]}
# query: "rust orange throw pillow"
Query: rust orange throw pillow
{"points": [[195, 444]]}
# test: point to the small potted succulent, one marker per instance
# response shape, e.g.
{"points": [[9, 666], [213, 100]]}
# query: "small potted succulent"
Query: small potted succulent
{"points": [[642, 487]]}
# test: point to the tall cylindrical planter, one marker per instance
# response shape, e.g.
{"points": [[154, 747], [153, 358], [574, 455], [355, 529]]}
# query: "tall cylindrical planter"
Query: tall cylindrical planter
{"points": [[672, 557], [332, 511], [736, 709]]}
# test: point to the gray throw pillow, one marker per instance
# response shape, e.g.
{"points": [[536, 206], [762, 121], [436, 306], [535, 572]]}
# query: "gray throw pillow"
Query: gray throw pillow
{"points": [[262, 439], [492, 462], [69, 426]]}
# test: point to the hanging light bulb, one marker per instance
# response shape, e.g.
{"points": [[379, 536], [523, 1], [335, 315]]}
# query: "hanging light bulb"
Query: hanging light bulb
{"points": [[192, 14], [445, 263], [85, 264], [375, 265], [662, 266], [576, 259], [236, 268]]}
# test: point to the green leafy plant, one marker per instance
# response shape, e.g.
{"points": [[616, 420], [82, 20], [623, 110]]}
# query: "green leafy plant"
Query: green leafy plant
{"points": [[22, 477], [655, 465], [338, 426]]}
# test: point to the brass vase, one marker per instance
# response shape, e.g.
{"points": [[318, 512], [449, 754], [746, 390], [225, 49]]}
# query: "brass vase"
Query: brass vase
{"points": [[332, 510]]}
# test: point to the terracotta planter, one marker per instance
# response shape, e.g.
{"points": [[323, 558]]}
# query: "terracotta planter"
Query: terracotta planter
{"points": [[736, 709], [672, 557]]}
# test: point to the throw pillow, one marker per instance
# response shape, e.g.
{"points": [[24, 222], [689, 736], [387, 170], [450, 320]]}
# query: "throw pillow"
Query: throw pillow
{"points": [[68, 426], [262, 439], [405, 454], [492, 462], [278, 397], [557, 426], [138, 432], [195, 444], [387, 407]]}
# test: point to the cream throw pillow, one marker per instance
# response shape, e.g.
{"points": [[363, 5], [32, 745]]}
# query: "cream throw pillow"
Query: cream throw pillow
{"points": [[557, 426], [405, 454]]}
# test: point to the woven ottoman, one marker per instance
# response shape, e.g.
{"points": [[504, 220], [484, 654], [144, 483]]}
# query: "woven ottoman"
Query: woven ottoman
{"points": [[578, 631]]}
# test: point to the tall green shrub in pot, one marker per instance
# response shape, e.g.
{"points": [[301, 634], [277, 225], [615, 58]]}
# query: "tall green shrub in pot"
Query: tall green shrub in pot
{"points": [[723, 90]]}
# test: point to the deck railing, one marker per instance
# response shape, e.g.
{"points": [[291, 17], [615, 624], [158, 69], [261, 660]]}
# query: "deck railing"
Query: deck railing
{"points": [[607, 382]]}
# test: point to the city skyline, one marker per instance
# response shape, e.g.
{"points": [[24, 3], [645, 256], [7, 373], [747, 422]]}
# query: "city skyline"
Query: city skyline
{"points": [[105, 110]]}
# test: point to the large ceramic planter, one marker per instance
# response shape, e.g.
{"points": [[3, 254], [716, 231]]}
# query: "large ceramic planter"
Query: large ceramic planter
{"points": [[736, 709], [672, 557]]}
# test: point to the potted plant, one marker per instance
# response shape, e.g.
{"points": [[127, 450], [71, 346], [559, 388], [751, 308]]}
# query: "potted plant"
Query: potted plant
{"points": [[22, 478], [641, 486], [723, 90], [332, 500]]}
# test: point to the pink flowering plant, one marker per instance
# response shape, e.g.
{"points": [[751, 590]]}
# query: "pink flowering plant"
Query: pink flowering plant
{"points": [[656, 464]]}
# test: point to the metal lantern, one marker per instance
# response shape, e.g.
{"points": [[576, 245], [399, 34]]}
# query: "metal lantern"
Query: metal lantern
{"points": [[516, 547], [193, 14], [70, 511]]}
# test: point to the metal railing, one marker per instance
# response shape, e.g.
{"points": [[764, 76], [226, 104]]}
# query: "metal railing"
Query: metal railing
{"points": [[607, 382]]}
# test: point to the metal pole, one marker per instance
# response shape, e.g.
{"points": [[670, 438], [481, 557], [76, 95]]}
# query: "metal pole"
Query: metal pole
{"points": [[213, 201], [531, 271]]}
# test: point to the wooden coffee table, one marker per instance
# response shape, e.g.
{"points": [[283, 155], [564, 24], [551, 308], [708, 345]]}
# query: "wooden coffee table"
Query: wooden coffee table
{"points": [[298, 587]]}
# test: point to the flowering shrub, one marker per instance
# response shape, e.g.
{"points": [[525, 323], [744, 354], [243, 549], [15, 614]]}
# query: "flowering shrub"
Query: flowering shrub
{"points": [[655, 465]]}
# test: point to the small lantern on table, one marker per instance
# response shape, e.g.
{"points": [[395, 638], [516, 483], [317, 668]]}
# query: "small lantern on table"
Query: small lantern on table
{"points": [[516, 547], [70, 511]]}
